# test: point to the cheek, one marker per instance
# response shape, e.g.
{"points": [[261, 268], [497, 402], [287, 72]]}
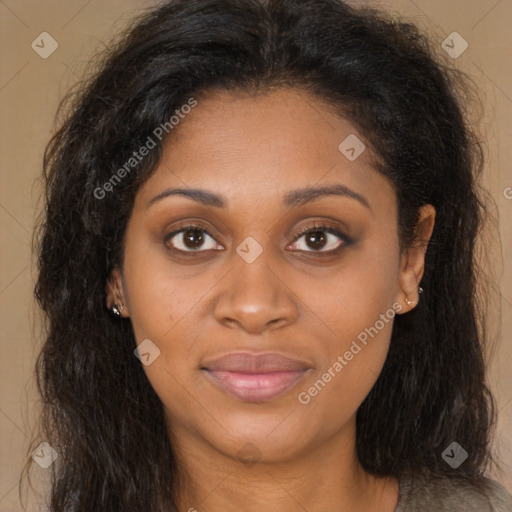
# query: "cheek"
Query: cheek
{"points": [[360, 323], [351, 297], [354, 310], [169, 305], [161, 293]]}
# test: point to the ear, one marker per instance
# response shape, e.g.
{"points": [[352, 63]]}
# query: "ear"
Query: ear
{"points": [[412, 262], [115, 293]]}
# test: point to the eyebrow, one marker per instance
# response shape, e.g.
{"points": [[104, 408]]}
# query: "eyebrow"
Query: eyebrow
{"points": [[293, 198], [305, 195]]}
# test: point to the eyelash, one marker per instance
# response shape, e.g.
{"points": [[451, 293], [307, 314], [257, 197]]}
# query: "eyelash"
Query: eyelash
{"points": [[345, 240], [318, 227]]}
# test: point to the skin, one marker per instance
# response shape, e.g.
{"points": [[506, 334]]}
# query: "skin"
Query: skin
{"points": [[252, 150]]}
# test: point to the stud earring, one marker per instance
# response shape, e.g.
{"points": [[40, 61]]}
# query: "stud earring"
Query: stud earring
{"points": [[117, 310], [410, 302]]}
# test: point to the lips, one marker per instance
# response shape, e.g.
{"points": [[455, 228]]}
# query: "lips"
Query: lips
{"points": [[255, 377]]}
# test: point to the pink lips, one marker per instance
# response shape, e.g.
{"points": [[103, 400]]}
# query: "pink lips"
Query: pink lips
{"points": [[255, 377]]}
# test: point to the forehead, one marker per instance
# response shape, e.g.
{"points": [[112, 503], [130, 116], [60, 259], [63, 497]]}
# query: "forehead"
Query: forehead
{"points": [[265, 145]]}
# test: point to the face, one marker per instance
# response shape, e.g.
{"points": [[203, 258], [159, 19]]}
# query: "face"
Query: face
{"points": [[287, 262]]}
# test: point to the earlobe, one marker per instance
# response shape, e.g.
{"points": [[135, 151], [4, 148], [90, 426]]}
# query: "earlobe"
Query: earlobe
{"points": [[412, 303], [412, 263], [116, 300]]}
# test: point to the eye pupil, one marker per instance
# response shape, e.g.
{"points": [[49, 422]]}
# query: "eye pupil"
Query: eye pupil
{"points": [[193, 238], [316, 239]]}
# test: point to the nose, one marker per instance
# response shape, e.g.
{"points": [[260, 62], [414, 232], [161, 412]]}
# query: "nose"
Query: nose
{"points": [[254, 298]]}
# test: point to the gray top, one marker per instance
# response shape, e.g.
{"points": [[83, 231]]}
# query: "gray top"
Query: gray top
{"points": [[435, 494]]}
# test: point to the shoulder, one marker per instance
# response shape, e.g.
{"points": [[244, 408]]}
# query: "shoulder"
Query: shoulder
{"points": [[421, 493]]}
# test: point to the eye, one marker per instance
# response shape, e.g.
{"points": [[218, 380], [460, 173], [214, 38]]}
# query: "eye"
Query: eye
{"points": [[191, 239], [319, 239]]}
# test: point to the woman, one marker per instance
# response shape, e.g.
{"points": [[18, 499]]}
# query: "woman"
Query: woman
{"points": [[257, 267]]}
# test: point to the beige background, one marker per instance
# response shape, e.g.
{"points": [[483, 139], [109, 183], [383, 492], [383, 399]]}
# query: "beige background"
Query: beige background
{"points": [[30, 88]]}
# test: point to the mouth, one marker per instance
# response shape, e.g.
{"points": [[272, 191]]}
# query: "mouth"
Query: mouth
{"points": [[255, 377]]}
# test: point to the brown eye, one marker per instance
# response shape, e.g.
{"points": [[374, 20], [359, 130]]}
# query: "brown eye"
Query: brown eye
{"points": [[191, 239], [315, 239], [321, 239]]}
